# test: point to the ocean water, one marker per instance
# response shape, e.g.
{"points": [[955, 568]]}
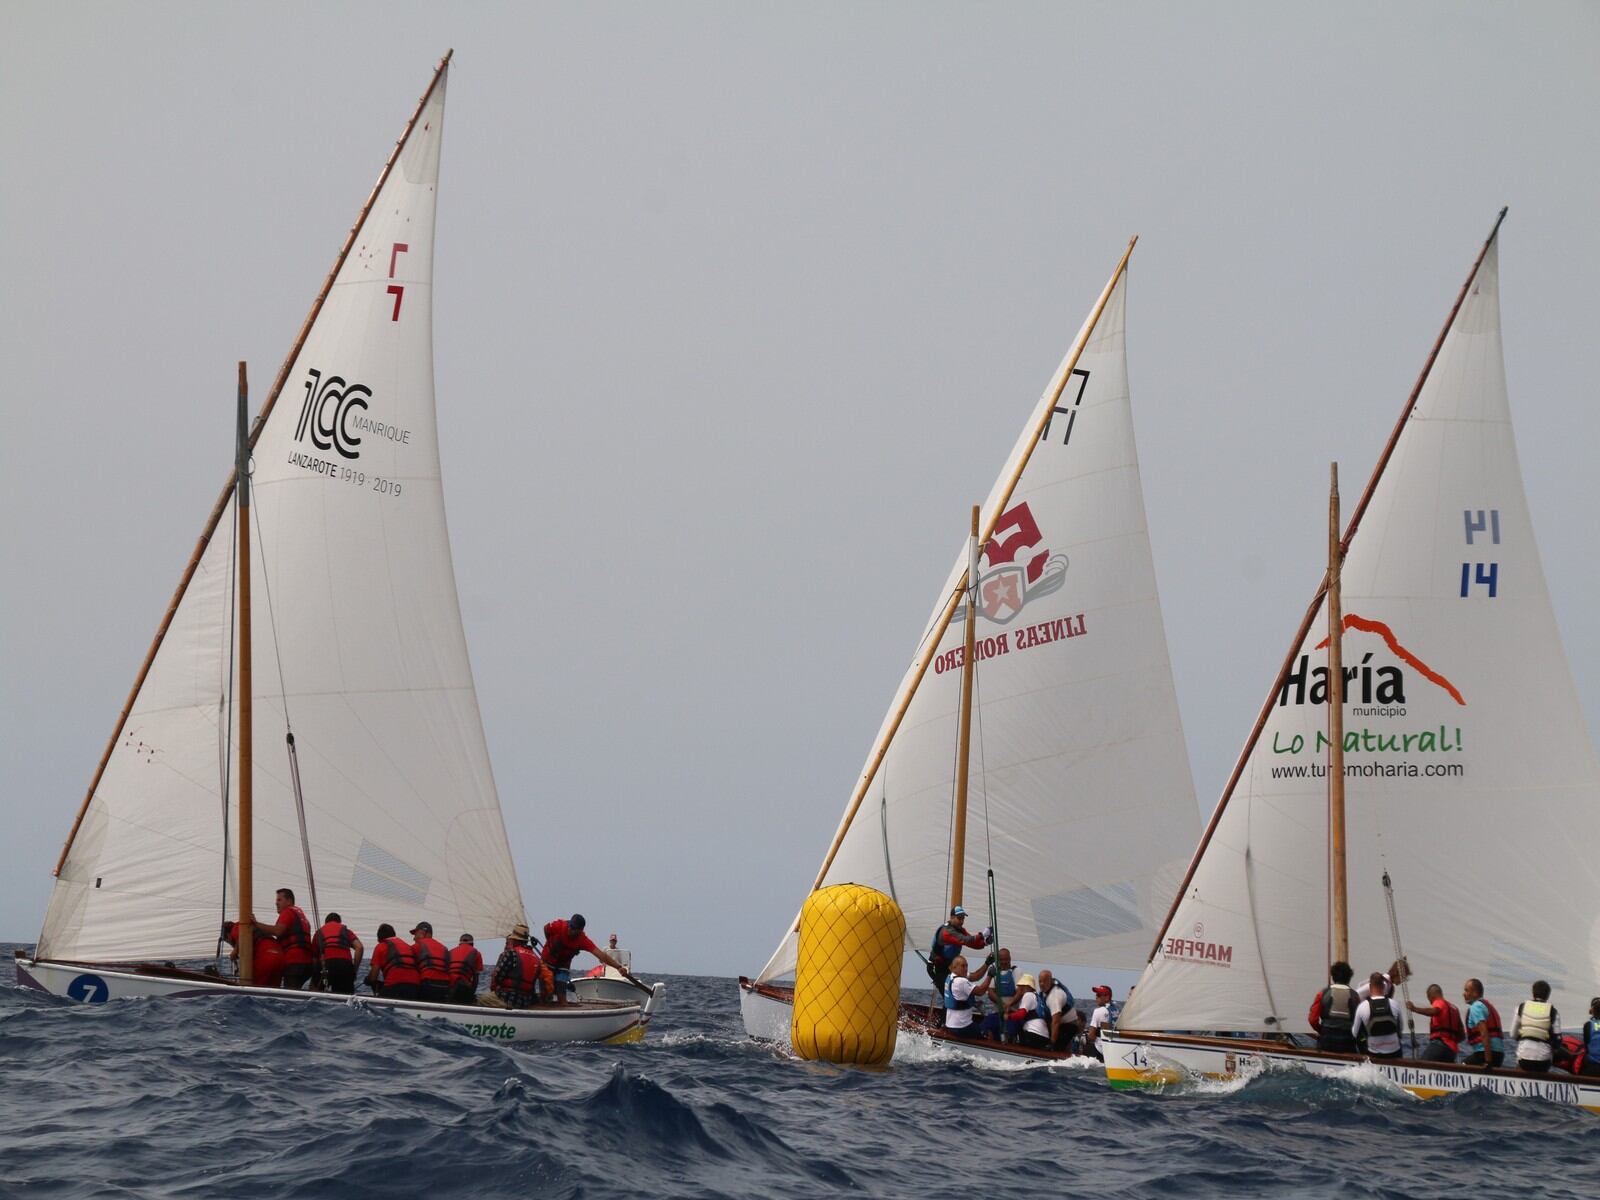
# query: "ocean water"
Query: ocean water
{"points": [[227, 1097]]}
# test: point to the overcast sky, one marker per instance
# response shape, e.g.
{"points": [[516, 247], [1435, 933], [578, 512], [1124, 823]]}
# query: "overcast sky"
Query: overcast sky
{"points": [[738, 309]]}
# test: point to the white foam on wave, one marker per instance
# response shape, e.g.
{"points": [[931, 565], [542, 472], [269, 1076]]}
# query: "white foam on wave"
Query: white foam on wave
{"points": [[1362, 1075], [915, 1048]]}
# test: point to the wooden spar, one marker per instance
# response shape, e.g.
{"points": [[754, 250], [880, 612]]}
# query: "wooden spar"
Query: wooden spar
{"points": [[958, 843], [1322, 588], [247, 922], [255, 432], [930, 645], [1336, 865]]}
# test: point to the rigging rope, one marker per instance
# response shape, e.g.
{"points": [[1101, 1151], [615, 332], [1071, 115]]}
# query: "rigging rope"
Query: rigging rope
{"points": [[288, 728], [1400, 958], [888, 867]]}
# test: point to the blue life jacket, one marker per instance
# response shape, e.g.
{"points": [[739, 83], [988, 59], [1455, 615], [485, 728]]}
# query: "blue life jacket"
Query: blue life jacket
{"points": [[1069, 1014], [1591, 1040], [1007, 982], [950, 1000], [1113, 1011]]}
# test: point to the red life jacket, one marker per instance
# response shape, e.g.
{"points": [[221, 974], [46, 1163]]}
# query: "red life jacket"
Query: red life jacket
{"points": [[1444, 1024], [515, 975], [400, 963], [562, 944], [334, 941], [297, 938], [433, 960], [466, 964], [268, 966]]}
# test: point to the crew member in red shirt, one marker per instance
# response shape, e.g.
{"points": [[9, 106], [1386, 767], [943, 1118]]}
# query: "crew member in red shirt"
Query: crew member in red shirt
{"points": [[340, 952], [433, 964], [466, 965], [268, 958], [1445, 1029], [394, 967], [293, 932], [564, 941]]}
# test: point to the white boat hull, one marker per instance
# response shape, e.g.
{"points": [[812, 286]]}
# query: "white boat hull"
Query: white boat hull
{"points": [[1141, 1061], [603, 1022], [614, 989], [768, 1012]]}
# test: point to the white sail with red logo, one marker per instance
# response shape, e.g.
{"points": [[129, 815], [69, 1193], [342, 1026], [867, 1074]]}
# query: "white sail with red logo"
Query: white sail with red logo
{"points": [[1081, 795], [1469, 773], [358, 646]]}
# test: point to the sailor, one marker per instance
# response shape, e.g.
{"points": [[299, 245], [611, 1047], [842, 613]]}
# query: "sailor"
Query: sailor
{"points": [[519, 973], [1062, 1010], [393, 974], [995, 1024], [564, 941], [268, 956], [1103, 1017], [1589, 1064], [1485, 1039], [1445, 1029], [1026, 1017], [293, 932], [466, 965], [1333, 1012], [960, 994], [1535, 1029], [1399, 971], [433, 965], [340, 952], [1377, 1024], [948, 941]]}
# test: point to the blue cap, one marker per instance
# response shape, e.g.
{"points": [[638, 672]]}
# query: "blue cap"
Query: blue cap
{"points": [[958, 911]]}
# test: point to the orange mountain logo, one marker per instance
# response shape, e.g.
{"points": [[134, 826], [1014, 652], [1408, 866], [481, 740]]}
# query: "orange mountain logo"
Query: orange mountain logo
{"points": [[1364, 682]]}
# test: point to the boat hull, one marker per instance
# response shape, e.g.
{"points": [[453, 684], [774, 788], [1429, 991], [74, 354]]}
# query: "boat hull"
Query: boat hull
{"points": [[97, 983], [614, 990], [768, 1009], [1136, 1060]]}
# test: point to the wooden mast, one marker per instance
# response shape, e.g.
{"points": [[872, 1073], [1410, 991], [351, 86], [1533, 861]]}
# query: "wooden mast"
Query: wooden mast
{"points": [[1316, 600], [1341, 912], [930, 644], [261, 419], [958, 843], [246, 931]]}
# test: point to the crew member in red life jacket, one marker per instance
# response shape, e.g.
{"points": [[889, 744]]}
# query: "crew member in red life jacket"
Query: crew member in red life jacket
{"points": [[433, 964], [1445, 1029], [564, 941], [293, 932], [394, 967], [337, 948], [1485, 1035], [520, 973], [466, 965], [268, 956]]}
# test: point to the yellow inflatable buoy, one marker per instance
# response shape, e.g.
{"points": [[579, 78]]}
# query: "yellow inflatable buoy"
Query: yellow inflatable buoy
{"points": [[847, 976]]}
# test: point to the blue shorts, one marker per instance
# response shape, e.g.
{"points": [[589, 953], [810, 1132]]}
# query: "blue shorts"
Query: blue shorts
{"points": [[563, 979]]}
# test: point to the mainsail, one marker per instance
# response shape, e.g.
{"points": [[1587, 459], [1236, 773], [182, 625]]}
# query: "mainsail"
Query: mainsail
{"points": [[1081, 795], [358, 644], [1470, 776]]}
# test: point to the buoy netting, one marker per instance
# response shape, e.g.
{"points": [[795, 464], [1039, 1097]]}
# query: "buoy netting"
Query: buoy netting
{"points": [[847, 976]]}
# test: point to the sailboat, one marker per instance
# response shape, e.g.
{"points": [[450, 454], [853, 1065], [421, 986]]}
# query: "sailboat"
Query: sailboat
{"points": [[380, 804], [1470, 782], [1081, 798]]}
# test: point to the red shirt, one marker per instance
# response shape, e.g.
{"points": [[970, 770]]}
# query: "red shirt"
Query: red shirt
{"points": [[395, 962], [433, 960], [562, 944], [466, 964], [334, 941], [296, 938], [1445, 1024]]}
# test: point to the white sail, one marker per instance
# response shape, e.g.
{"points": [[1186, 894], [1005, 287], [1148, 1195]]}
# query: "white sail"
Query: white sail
{"points": [[1470, 776], [357, 631], [1077, 745]]}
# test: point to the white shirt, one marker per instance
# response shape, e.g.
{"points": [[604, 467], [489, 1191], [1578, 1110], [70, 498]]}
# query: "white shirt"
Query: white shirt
{"points": [[1378, 1045], [1056, 1002], [1365, 990], [1530, 1048], [959, 1018], [1029, 1003], [1100, 1018]]}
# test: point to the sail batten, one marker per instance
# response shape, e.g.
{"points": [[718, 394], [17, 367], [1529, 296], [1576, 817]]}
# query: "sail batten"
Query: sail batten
{"points": [[1076, 731], [366, 646]]}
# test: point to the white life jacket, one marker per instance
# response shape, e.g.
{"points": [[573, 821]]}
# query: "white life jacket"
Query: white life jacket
{"points": [[1534, 1021]]}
